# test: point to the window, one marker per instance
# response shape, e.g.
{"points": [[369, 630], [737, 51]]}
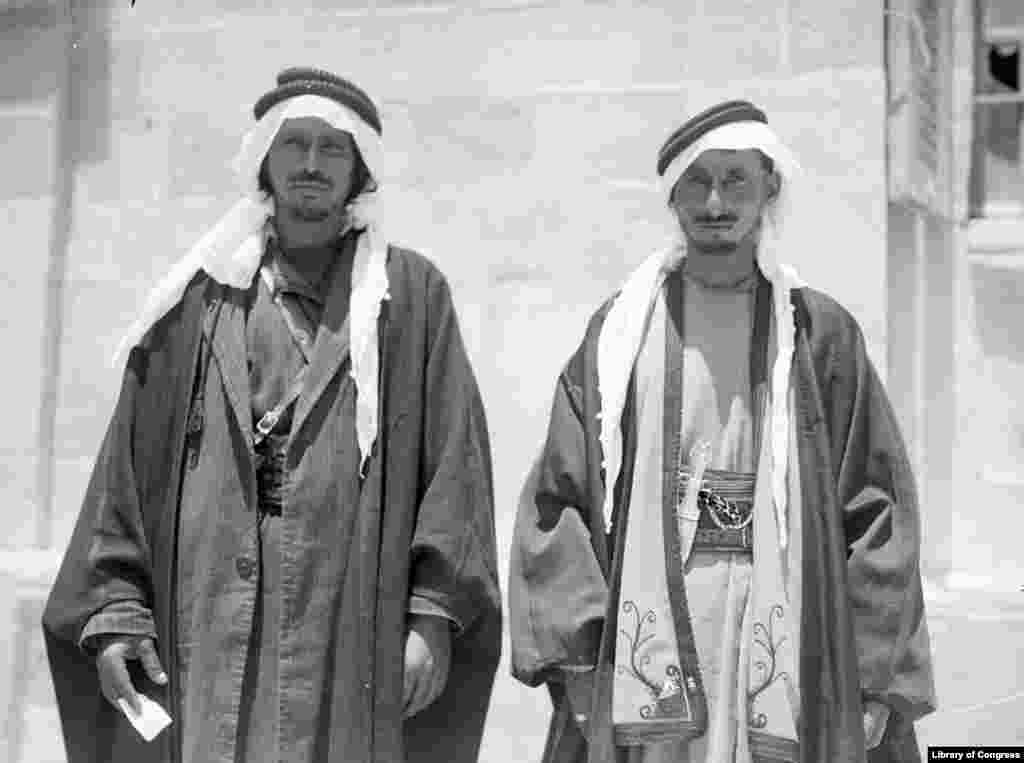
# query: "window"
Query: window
{"points": [[997, 174]]}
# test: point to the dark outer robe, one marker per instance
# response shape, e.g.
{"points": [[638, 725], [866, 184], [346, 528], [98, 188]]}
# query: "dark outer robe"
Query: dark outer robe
{"points": [[424, 523], [863, 631]]}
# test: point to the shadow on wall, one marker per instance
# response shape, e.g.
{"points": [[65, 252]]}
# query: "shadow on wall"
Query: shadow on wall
{"points": [[89, 102], [33, 38]]}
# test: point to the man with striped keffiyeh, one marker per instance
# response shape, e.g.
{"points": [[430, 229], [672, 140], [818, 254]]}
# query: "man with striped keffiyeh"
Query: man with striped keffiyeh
{"points": [[716, 553], [288, 539]]}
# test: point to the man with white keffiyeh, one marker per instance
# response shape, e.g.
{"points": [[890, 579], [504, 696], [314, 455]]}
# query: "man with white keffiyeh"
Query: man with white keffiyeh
{"points": [[716, 552], [288, 540]]}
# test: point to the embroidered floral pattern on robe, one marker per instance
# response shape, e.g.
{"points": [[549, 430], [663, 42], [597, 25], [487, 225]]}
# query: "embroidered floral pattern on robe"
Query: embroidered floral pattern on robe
{"points": [[669, 700]]}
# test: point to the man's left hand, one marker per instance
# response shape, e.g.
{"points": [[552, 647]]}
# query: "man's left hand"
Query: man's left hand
{"points": [[876, 716], [428, 650]]}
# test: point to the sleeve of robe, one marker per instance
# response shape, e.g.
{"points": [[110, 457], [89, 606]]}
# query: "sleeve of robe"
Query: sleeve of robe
{"points": [[130, 618], [454, 560], [117, 541], [558, 593], [115, 568], [882, 523]]}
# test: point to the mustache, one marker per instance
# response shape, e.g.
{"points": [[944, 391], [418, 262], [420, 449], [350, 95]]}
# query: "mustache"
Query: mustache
{"points": [[715, 219], [310, 178]]}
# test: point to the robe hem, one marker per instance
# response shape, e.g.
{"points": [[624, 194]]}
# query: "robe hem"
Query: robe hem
{"points": [[655, 732], [769, 747]]}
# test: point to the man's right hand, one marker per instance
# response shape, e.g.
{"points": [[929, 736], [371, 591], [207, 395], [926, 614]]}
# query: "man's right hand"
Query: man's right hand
{"points": [[111, 662]]}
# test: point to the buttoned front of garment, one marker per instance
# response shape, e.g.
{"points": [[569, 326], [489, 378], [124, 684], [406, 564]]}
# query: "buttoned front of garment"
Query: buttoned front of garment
{"points": [[245, 567], [260, 592]]}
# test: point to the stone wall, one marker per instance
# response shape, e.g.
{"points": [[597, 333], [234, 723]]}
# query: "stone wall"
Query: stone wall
{"points": [[34, 42], [522, 136]]}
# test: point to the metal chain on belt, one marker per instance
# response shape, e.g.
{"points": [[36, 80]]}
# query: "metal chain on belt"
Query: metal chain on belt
{"points": [[727, 514]]}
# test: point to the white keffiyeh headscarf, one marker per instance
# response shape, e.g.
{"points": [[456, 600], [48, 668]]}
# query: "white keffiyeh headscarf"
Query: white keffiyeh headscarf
{"points": [[231, 251], [626, 323]]}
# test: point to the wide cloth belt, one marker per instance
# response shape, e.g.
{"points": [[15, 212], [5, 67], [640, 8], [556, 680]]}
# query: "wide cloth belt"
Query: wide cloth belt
{"points": [[726, 504], [271, 473]]}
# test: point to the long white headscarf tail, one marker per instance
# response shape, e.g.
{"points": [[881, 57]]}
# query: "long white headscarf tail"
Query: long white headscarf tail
{"points": [[230, 252], [625, 324]]}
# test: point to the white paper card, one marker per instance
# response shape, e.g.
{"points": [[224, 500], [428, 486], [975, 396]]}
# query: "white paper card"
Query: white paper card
{"points": [[151, 721]]}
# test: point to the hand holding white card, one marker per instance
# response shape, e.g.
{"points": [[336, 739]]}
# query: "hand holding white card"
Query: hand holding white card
{"points": [[151, 721]]}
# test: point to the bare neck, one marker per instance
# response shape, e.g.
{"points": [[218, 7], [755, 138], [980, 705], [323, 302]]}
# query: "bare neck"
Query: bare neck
{"points": [[721, 267], [311, 262]]}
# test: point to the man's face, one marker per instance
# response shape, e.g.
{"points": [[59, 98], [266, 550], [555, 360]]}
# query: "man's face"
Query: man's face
{"points": [[310, 167], [720, 198]]}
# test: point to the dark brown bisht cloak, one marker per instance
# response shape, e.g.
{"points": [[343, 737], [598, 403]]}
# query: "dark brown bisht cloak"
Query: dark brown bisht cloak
{"points": [[863, 630], [425, 519]]}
